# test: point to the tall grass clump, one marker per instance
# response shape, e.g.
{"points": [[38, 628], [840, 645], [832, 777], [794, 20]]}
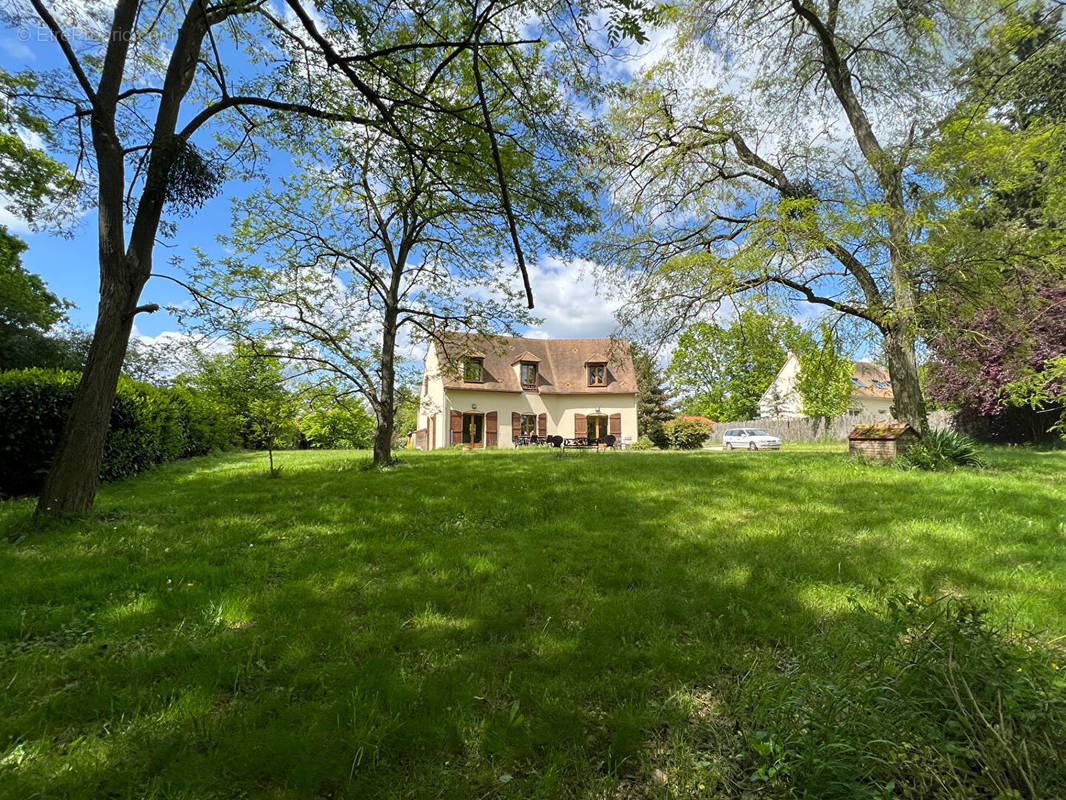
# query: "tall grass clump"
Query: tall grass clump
{"points": [[925, 699], [943, 450]]}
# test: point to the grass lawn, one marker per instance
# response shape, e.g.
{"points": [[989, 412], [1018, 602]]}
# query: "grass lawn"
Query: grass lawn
{"points": [[497, 624]]}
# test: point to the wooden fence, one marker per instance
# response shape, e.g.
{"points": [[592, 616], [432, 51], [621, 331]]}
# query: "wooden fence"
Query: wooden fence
{"points": [[808, 430]]}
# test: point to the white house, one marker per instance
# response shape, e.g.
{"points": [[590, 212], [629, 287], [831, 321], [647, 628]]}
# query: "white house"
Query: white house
{"points": [[485, 391], [871, 395]]}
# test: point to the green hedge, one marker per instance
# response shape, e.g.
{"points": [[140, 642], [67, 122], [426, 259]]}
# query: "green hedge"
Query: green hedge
{"points": [[149, 425], [687, 434]]}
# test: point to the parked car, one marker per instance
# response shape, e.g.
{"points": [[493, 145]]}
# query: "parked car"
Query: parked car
{"points": [[750, 438]]}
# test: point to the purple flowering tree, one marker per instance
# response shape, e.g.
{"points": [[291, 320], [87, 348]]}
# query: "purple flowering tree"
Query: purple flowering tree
{"points": [[974, 361]]}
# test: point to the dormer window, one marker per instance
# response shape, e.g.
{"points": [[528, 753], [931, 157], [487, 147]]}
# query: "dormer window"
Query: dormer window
{"points": [[528, 373], [473, 370], [597, 374]]}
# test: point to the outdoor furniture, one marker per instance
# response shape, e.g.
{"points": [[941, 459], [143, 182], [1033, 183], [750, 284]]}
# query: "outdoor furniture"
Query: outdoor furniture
{"points": [[581, 443], [609, 440]]}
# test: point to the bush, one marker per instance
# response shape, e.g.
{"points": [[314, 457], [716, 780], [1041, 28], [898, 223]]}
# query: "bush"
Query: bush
{"points": [[687, 434], [644, 443], [149, 425], [338, 428], [920, 697], [941, 450]]}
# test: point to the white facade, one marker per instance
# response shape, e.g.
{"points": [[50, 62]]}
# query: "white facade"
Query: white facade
{"points": [[782, 400]]}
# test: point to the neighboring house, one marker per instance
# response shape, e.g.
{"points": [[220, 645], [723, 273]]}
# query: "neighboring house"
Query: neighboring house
{"points": [[872, 392], [484, 391]]}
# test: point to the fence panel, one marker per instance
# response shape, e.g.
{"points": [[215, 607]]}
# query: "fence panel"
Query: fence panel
{"points": [[808, 430]]}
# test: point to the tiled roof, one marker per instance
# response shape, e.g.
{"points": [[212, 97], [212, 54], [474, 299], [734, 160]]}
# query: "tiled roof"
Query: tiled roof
{"points": [[560, 369], [882, 430], [870, 375]]}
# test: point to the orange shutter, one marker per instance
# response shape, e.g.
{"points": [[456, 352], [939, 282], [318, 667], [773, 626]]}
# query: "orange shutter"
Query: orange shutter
{"points": [[581, 426], [615, 425], [457, 427], [491, 438], [516, 425], [542, 425]]}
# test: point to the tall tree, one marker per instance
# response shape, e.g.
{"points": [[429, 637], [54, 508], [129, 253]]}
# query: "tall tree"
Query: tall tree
{"points": [[776, 153], [722, 370], [41, 191], [128, 122], [27, 308], [653, 398], [139, 94]]}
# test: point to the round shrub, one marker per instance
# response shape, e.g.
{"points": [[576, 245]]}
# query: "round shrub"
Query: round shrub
{"points": [[644, 443], [687, 434]]}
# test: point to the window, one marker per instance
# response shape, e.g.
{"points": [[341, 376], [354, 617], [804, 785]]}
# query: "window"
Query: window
{"points": [[472, 370], [597, 374], [529, 375], [858, 383], [880, 384], [528, 423]]}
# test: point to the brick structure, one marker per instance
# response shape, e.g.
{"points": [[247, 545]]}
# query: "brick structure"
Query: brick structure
{"points": [[882, 441]]}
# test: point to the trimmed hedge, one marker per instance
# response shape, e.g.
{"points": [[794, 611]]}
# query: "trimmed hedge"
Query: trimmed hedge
{"points": [[149, 425]]}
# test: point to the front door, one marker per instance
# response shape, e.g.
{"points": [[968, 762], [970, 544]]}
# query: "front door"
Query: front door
{"points": [[597, 426], [474, 430]]}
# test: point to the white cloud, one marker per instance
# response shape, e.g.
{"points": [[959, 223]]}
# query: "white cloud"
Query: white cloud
{"points": [[573, 299], [16, 49], [13, 222]]}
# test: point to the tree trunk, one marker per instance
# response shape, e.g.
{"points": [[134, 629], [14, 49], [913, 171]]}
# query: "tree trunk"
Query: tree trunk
{"points": [[909, 405], [75, 473], [386, 409]]}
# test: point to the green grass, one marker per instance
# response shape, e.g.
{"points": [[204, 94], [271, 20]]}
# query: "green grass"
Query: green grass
{"points": [[485, 625]]}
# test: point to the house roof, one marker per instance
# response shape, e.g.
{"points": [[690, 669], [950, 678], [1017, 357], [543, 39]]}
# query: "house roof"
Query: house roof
{"points": [[699, 419], [868, 373], [560, 369], [885, 431]]}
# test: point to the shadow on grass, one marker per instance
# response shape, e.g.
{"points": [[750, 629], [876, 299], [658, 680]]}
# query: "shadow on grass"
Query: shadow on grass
{"points": [[488, 625]]}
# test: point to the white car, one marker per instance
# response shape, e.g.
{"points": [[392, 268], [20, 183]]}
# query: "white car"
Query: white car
{"points": [[751, 439]]}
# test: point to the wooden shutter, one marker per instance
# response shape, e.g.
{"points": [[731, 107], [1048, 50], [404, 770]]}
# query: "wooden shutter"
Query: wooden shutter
{"points": [[491, 437], [542, 425], [516, 425], [581, 426], [615, 425], [457, 427]]}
